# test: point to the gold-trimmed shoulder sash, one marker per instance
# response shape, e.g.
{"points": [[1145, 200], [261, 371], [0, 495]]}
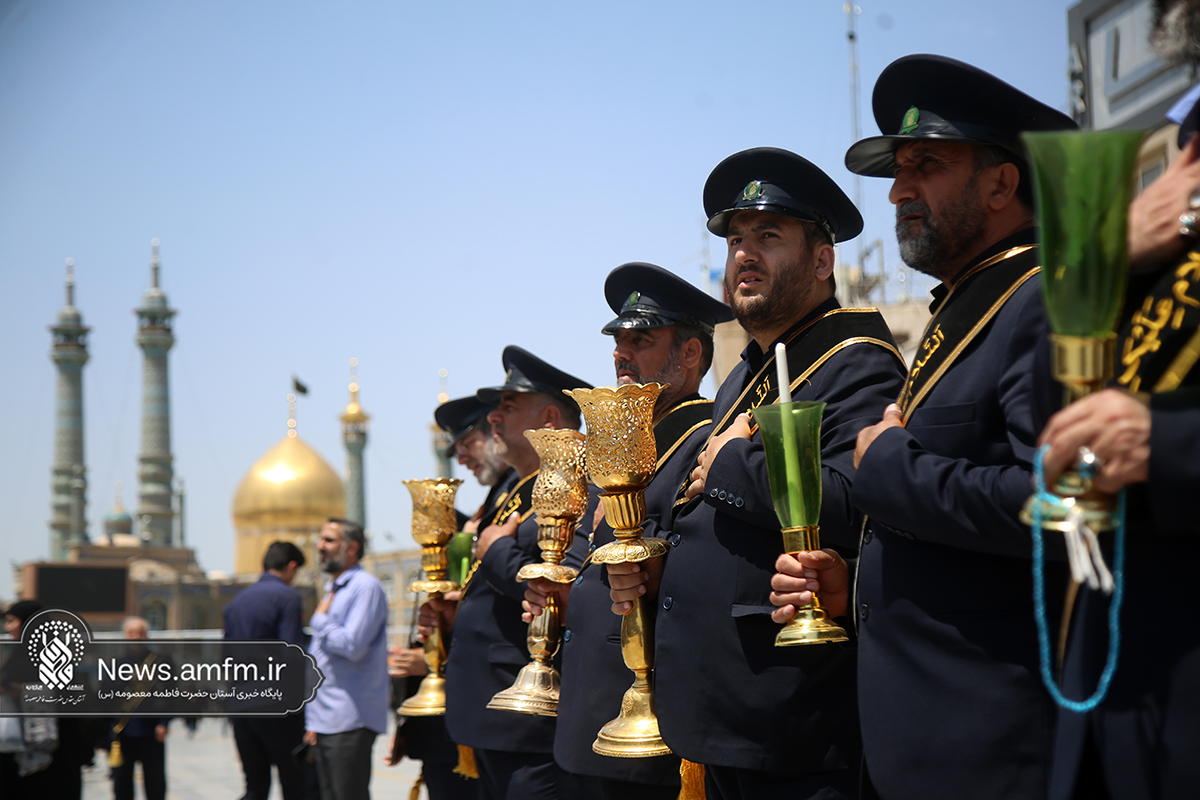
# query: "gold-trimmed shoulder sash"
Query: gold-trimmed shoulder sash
{"points": [[960, 317]]}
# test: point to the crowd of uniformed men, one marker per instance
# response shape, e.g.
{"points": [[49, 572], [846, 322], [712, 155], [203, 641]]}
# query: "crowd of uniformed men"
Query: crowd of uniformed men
{"points": [[924, 468]]}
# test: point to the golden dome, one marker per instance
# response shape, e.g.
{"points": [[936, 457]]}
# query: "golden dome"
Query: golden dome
{"points": [[291, 486]]}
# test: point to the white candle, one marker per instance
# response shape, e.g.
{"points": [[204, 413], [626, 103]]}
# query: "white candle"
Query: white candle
{"points": [[785, 383]]}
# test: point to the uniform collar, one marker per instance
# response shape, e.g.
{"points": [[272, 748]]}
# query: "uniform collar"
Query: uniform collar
{"points": [[1018, 239]]}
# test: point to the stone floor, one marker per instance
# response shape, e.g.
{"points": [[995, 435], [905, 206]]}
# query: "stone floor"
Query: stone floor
{"points": [[205, 766]]}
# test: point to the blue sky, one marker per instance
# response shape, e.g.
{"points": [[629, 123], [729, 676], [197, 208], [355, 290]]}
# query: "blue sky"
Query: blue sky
{"points": [[414, 185]]}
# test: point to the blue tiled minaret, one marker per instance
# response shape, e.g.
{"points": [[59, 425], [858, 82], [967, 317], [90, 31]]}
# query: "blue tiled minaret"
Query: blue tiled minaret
{"points": [[155, 513], [69, 483], [354, 434]]}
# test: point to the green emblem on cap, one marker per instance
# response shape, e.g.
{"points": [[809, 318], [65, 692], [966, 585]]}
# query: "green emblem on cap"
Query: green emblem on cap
{"points": [[753, 190], [910, 120], [508, 376], [632, 299]]}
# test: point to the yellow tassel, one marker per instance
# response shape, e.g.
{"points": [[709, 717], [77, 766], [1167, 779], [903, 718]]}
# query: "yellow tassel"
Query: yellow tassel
{"points": [[114, 754], [466, 763], [415, 794], [691, 780]]}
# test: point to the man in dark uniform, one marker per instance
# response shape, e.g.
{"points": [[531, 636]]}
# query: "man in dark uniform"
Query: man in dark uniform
{"points": [[766, 721], [949, 694], [270, 610], [425, 738], [513, 752], [1143, 740], [663, 333]]}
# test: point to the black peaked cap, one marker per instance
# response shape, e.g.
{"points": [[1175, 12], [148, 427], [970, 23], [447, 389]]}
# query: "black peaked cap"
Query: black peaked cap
{"points": [[646, 296], [460, 417], [934, 97], [781, 182], [524, 372]]}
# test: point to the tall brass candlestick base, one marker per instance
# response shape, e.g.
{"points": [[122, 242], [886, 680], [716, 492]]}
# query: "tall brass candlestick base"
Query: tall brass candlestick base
{"points": [[559, 498], [1082, 364], [621, 459], [433, 527]]}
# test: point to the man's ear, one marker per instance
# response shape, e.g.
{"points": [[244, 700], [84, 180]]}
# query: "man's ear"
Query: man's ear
{"points": [[1003, 187], [825, 261], [551, 416], [690, 353]]}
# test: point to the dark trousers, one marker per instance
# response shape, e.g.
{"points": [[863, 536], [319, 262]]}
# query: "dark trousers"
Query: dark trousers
{"points": [[627, 790], [730, 783], [152, 754], [262, 742], [517, 776], [344, 764], [442, 784]]}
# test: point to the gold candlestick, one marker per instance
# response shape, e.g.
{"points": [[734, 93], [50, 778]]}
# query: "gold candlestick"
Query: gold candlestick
{"points": [[433, 526], [560, 498], [621, 459]]}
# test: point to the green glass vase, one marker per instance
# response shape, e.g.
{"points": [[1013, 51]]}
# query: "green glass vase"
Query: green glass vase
{"points": [[1083, 182], [791, 436]]}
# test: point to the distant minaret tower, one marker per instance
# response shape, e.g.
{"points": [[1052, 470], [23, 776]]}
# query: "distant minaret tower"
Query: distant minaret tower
{"points": [[354, 433], [68, 486], [155, 514]]}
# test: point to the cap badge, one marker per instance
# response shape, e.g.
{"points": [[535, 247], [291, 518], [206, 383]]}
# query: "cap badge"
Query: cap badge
{"points": [[753, 190], [508, 376], [910, 120], [632, 299]]}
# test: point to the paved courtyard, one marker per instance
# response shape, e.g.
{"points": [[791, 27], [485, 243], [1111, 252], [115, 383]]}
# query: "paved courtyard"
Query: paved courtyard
{"points": [[206, 767]]}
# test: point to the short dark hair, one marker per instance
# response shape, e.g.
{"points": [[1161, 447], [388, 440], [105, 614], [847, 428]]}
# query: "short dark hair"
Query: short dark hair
{"points": [[352, 532], [282, 553], [991, 155], [680, 333]]}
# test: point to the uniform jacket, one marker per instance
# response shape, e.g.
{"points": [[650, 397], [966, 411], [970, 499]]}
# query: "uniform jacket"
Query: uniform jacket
{"points": [[725, 694], [488, 646], [949, 691], [594, 675]]}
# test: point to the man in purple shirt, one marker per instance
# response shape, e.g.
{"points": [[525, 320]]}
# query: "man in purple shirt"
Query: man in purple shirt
{"points": [[349, 643], [269, 610]]}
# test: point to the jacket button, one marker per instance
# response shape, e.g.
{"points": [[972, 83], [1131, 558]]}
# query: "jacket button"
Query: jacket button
{"points": [[864, 611], [674, 540], [730, 499], [567, 635], [579, 578], [712, 493], [867, 537], [721, 495], [739, 502], [668, 601]]}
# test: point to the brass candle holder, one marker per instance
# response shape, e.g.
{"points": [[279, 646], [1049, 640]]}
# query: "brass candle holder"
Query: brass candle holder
{"points": [[1083, 184], [433, 526], [791, 436], [560, 498], [621, 459]]}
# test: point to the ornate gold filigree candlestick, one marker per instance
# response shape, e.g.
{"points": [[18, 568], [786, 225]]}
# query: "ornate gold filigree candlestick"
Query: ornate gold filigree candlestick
{"points": [[621, 459], [559, 498], [433, 526]]}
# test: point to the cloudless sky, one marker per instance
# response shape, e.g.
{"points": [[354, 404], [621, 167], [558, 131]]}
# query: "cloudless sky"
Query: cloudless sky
{"points": [[411, 184]]}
